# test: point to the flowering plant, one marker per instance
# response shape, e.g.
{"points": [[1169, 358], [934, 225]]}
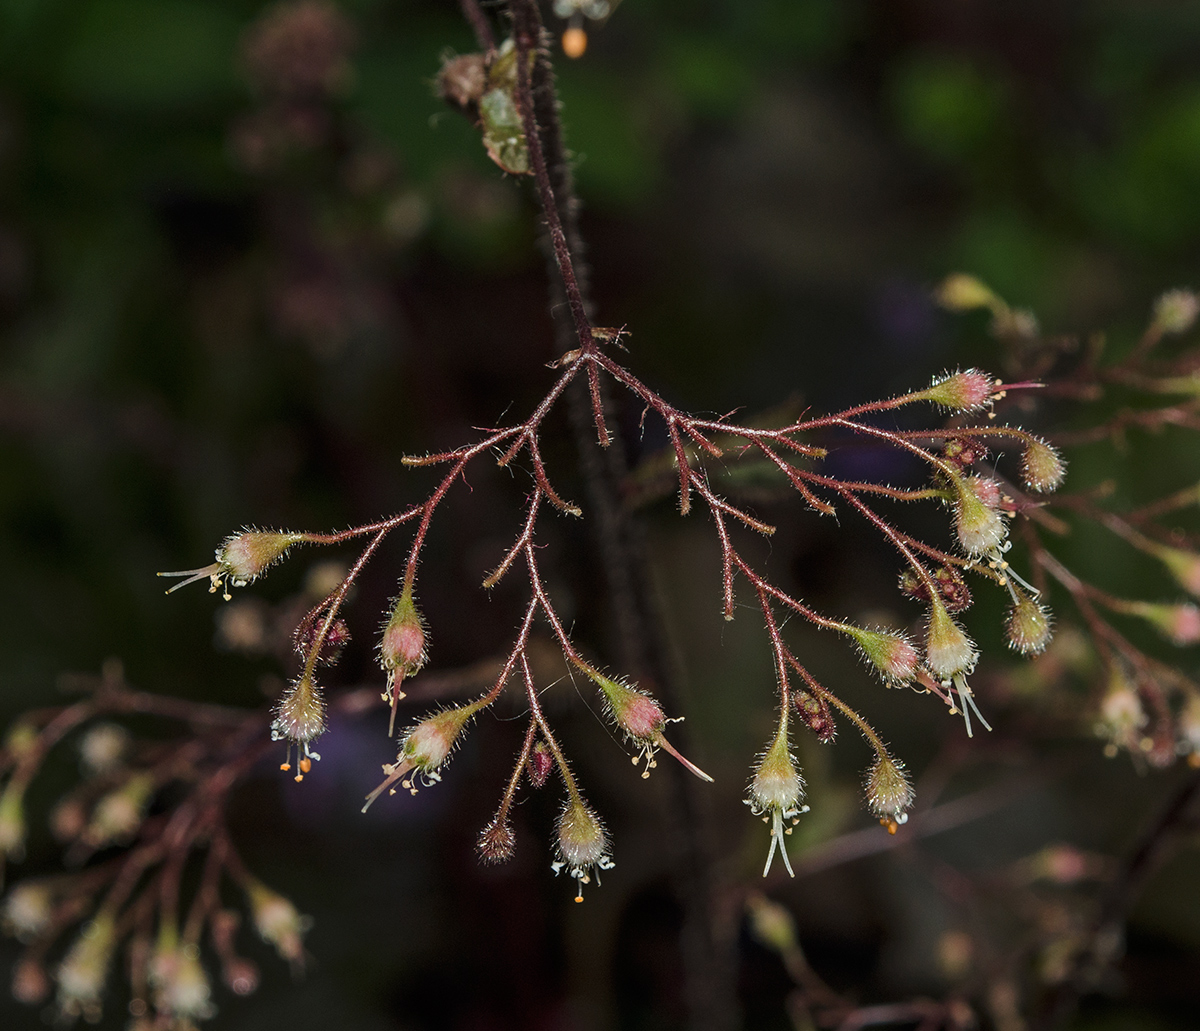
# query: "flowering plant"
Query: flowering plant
{"points": [[144, 809]]}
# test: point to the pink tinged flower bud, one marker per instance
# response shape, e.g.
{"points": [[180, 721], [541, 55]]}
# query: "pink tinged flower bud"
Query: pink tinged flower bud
{"points": [[960, 292], [247, 555], [402, 649], [539, 764], [241, 559], [84, 970], [424, 749], [12, 822], [950, 585], [985, 489], [634, 711], [1176, 311], [891, 654], [181, 987], [960, 391], [68, 819], [1180, 624], [1121, 714], [1184, 566], [119, 814], [815, 714], [1189, 725], [777, 793], [278, 922], [889, 792], [948, 650], [240, 975], [27, 910], [300, 714], [582, 843], [979, 527], [1042, 467], [497, 842], [336, 638], [1028, 626], [430, 742], [640, 717], [964, 452], [30, 984]]}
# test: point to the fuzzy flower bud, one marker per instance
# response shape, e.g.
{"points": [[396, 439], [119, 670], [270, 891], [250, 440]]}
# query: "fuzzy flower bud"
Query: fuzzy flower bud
{"points": [[300, 713], [497, 842], [12, 821], [777, 793], [960, 391], [241, 559], [278, 922], [961, 292], [1180, 624], [20, 740], [181, 987], [27, 909], [30, 984], [1189, 725], [539, 764], [1183, 565], [1176, 311], [425, 748], [402, 646], [640, 717], [103, 747], [985, 489], [949, 584], [1121, 713], [814, 713], [889, 792], [634, 711], [582, 843], [1042, 467], [964, 452], [240, 975], [771, 924], [948, 650], [891, 654], [1028, 625], [978, 525], [84, 969], [118, 814], [430, 742]]}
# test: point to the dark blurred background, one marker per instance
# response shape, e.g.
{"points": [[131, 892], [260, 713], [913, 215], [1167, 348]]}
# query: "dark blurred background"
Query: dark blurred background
{"points": [[235, 288]]}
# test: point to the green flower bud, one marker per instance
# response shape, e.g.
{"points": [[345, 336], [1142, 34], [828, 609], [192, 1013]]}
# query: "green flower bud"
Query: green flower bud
{"points": [[1042, 467], [582, 843], [948, 650], [1028, 625], [889, 791]]}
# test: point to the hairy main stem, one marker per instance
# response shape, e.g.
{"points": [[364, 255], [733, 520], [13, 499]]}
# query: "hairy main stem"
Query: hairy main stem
{"points": [[639, 637]]}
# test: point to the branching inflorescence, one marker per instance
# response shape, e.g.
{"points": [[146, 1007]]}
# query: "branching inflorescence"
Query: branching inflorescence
{"points": [[1149, 707]]}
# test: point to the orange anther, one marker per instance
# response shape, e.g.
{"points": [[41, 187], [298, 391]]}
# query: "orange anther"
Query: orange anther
{"points": [[574, 42], [305, 764], [285, 766]]}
